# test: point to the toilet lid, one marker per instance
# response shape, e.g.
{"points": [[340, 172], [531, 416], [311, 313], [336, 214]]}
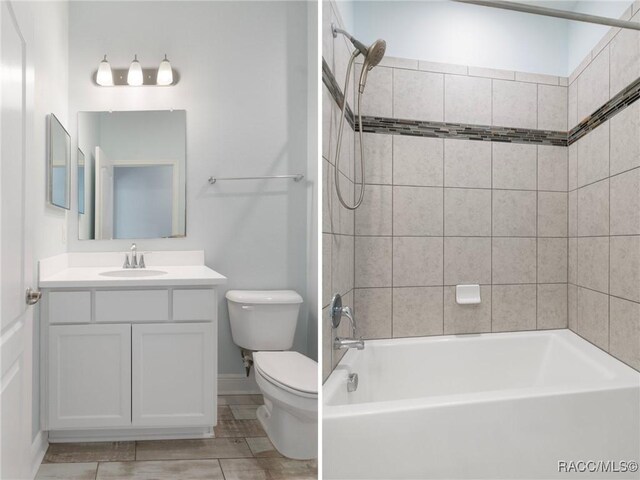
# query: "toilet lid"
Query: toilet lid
{"points": [[290, 369]]}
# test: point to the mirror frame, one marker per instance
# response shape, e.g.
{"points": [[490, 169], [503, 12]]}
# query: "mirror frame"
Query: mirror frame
{"points": [[52, 119]]}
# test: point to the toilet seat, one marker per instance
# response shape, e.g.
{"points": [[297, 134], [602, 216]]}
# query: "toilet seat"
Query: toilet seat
{"points": [[290, 371]]}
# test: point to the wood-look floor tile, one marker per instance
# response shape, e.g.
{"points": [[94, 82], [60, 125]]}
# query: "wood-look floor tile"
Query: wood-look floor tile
{"points": [[244, 412], [262, 447], [192, 449], [67, 471], [269, 468], [239, 428], [240, 400], [161, 470], [224, 412], [90, 452]]}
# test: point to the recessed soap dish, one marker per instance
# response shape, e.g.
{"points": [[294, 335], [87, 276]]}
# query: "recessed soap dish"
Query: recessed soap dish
{"points": [[468, 294]]}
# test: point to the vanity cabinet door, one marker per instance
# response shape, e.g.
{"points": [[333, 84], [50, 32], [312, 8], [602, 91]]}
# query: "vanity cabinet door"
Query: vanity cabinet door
{"points": [[89, 376], [173, 374]]}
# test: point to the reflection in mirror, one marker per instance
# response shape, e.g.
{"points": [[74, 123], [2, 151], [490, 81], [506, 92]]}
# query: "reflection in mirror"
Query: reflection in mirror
{"points": [[132, 175], [59, 162]]}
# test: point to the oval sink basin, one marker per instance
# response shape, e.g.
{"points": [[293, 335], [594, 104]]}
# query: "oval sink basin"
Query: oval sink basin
{"points": [[133, 273]]}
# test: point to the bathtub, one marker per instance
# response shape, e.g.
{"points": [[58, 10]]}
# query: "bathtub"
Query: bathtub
{"points": [[490, 406]]}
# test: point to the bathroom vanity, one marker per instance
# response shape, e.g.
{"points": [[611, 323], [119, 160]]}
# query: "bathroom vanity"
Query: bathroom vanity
{"points": [[128, 353]]}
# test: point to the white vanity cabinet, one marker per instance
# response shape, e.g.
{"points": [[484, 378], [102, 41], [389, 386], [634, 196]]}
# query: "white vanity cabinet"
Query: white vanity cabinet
{"points": [[138, 360]]}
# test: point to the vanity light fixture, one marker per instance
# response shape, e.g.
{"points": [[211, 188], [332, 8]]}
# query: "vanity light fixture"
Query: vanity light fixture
{"points": [[104, 77], [135, 77], [165, 74]]}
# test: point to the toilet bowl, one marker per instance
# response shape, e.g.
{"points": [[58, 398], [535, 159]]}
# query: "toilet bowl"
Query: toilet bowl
{"points": [[264, 323], [288, 382]]}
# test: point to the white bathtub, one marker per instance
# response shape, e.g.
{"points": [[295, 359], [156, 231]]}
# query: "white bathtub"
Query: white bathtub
{"points": [[491, 406]]}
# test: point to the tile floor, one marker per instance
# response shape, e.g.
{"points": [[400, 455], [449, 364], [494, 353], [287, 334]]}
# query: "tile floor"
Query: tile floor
{"points": [[240, 451]]}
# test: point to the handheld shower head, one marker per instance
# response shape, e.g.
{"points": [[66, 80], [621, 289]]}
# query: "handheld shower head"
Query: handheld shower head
{"points": [[372, 54], [373, 57]]}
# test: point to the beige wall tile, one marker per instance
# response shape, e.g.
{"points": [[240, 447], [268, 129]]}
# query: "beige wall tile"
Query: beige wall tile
{"points": [[625, 139], [492, 73], [459, 319], [514, 104], [327, 105], [513, 307], [342, 251], [538, 78], [624, 60], [378, 99], [593, 317], [514, 213], [552, 108], [573, 213], [327, 340], [467, 163], [572, 307], [552, 260], [418, 211], [625, 331], [625, 203], [374, 216], [417, 261], [514, 166], [378, 158], [442, 67], [573, 166], [593, 85], [372, 310], [341, 218], [593, 155], [573, 261], [572, 105], [373, 262], [625, 267], [417, 311], [552, 168], [467, 100], [418, 161], [552, 306], [514, 260], [467, 212], [467, 260], [593, 263], [552, 214], [341, 54], [326, 268], [418, 95], [327, 194], [593, 209]]}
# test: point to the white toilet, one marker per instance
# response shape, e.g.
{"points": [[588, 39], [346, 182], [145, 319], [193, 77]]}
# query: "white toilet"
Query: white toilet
{"points": [[264, 322]]}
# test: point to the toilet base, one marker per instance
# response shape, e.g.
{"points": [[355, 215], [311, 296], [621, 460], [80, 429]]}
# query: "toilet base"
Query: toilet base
{"points": [[292, 436]]}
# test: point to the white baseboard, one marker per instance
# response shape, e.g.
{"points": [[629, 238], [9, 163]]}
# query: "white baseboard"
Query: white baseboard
{"points": [[121, 435], [237, 384], [38, 450]]}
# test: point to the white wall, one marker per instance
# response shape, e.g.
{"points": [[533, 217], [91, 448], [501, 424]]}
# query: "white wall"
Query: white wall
{"points": [[449, 32], [244, 84]]}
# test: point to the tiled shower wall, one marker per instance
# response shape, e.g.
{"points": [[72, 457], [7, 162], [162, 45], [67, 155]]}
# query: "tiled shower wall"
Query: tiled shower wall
{"points": [[604, 202], [337, 222]]}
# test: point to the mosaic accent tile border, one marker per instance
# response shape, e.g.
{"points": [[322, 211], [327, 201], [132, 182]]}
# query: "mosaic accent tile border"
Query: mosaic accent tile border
{"points": [[622, 100]]}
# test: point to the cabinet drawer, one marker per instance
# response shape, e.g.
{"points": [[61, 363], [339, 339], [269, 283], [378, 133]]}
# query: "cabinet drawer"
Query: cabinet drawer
{"points": [[198, 304], [70, 307], [132, 306]]}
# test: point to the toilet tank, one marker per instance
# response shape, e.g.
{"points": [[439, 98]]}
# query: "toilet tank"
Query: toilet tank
{"points": [[263, 319]]}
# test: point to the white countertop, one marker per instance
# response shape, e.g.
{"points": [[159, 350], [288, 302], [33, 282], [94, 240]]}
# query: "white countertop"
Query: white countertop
{"points": [[84, 271]]}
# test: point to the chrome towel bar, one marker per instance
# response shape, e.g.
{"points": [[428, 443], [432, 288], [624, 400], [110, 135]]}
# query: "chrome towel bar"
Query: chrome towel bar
{"points": [[295, 178]]}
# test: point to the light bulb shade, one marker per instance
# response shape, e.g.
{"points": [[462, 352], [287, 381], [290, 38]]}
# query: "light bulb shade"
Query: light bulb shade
{"points": [[165, 74], [135, 77], [104, 77]]}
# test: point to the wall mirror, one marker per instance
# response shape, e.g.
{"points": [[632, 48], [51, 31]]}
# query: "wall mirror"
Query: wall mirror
{"points": [[131, 174], [59, 164]]}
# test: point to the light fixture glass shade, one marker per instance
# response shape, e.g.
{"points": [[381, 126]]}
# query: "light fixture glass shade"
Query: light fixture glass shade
{"points": [[104, 77], [165, 74], [135, 76]]}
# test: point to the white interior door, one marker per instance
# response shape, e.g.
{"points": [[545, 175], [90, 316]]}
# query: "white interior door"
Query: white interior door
{"points": [[104, 195], [16, 320]]}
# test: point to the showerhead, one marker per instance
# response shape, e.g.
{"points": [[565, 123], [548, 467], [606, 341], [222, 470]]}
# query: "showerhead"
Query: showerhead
{"points": [[372, 54]]}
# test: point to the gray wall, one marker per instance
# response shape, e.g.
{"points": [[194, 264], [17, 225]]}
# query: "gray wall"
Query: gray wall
{"points": [[244, 84]]}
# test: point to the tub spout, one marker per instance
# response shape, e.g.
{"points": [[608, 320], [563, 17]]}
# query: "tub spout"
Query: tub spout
{"points": [[343, 343]]}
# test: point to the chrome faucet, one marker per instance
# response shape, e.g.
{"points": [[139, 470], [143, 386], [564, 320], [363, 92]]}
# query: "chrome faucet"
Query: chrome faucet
{"points": [[135, 262], [337, 311]]}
